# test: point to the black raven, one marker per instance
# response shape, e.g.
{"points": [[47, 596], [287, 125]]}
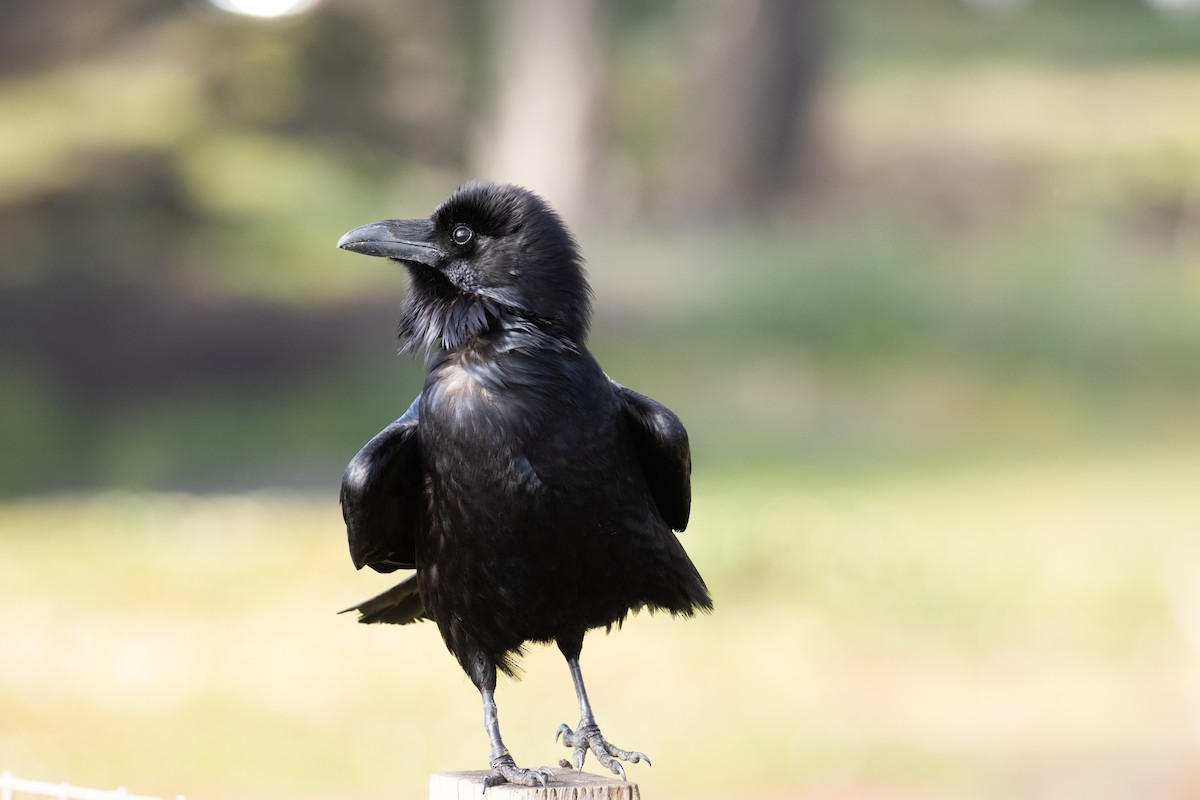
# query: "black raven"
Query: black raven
{"points": [[534, 496]]}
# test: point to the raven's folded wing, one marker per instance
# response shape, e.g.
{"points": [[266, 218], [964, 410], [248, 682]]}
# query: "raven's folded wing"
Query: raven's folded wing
{"points": [[661, 443], [381, 497]]}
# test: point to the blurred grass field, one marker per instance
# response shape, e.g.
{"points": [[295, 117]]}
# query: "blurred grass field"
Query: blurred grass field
{"points": [[1011, 630]]}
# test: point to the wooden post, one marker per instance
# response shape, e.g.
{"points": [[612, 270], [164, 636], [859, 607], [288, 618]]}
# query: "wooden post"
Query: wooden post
{"points": [[567, 784]]}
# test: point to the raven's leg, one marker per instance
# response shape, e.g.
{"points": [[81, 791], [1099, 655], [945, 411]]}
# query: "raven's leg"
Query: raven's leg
{"points": [[504, 769], [588, 736]]}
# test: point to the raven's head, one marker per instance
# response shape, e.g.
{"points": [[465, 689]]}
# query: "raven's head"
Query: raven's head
{"points": [[490, 253]]}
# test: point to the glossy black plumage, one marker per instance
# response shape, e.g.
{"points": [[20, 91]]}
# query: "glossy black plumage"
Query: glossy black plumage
{"points": [[534, 496]]}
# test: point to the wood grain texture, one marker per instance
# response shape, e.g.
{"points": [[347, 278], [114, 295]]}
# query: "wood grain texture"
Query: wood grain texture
{"points": [[566, 785]]}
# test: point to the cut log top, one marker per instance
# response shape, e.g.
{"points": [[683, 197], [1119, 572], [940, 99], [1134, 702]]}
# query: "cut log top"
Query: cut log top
{"points": [[567, 784]]}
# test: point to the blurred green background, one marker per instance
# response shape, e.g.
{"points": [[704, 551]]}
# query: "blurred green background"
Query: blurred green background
{"points": [[922, 279]]}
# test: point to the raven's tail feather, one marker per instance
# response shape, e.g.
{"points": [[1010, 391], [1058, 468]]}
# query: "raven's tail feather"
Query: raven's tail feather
{"points": [[399, 605]]}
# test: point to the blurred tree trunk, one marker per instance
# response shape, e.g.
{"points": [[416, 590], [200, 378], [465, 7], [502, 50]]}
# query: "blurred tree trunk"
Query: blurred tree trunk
{"points": [[540, 129], [760, 64]]}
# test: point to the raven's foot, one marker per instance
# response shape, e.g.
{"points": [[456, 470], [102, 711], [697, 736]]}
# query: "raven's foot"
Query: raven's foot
{"points": [[505, 770], [588, 737]]}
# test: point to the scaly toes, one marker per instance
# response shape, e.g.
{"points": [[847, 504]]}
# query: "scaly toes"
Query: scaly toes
{"points": [[577, 741], [616, 766], [505, 770], [632, 756], [588, 738]]}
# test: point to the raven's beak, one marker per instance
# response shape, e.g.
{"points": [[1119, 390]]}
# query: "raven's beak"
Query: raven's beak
{"points": [[401, 239]]}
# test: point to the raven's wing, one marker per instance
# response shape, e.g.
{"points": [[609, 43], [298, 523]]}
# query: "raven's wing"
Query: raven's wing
{"points": [[381, 497], [661, 443], [399, 605]]}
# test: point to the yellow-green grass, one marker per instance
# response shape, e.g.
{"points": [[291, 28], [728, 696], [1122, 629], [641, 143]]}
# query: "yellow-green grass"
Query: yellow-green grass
{"points": [[989, 631]]}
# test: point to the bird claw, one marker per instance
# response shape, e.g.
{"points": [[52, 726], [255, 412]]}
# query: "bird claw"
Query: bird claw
{"points": [[505, 770], [589, 738]]}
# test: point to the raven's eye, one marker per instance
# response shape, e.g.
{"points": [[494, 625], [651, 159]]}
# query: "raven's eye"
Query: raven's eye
{"points": [[462, 234]]}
